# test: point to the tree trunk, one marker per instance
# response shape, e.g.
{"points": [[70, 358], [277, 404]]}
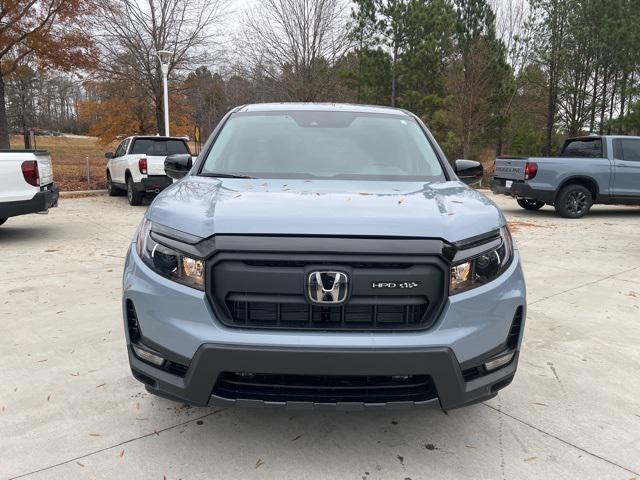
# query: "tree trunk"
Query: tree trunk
{"points": [[551, 114], [4, 127], [603, 103], [594, 101], [500, 141], [623, 101], [612, 103], [394, 79]]}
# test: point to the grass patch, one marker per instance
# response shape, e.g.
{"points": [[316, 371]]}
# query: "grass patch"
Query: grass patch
{"points": [[69, 158]]}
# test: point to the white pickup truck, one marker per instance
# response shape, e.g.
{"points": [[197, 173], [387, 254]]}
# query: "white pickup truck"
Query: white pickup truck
{"points": [[26, 183], [137, 166]]}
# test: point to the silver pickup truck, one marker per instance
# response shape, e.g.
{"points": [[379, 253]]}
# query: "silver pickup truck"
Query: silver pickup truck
{"points": [[589, 170]]}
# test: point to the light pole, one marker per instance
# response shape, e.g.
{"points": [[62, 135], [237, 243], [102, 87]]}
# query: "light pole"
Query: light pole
{"points": [[164, 56]]}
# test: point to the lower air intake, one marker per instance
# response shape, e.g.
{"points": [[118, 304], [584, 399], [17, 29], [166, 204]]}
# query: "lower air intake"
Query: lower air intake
{"points": [[324, 388]]}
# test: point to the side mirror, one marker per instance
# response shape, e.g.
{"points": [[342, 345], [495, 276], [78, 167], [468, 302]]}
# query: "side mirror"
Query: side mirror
{"points": [[178, 165], [109, 155], [469, 171]]}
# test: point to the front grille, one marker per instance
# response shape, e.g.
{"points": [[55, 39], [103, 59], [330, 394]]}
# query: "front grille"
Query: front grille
{"points": [[300, 314], [324, 388], [270, 291]]}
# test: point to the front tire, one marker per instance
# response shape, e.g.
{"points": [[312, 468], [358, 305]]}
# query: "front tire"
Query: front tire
{"points": [[111, 189], [134, 197], [574, 201], [530, 204]]}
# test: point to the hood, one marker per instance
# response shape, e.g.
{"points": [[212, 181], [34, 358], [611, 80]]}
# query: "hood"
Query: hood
{"points": [[205, 206]]}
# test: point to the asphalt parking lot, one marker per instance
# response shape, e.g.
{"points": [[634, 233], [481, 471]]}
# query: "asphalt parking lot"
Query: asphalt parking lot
{"points": [[69, 407]]}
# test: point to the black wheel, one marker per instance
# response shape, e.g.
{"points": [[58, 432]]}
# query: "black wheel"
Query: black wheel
{"points": [[113, 190], [134, 197], [2, 220], [530, 204], [574, 201]]}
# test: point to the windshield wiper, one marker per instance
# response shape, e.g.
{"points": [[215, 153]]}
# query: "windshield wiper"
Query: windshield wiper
{"points": [[225, 175]]}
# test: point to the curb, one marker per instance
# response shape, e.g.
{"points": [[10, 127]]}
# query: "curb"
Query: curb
{"points": [[82, 193]]}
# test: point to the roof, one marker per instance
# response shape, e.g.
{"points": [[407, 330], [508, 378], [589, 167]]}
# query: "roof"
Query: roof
{"points": [[615, 137], [320, 107], [157, 137], [595, 137]]}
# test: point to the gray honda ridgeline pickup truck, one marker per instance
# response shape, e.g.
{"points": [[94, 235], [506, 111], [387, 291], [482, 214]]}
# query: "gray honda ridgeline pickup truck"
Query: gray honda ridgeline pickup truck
{"points": [[323, 256], [589, 170]]}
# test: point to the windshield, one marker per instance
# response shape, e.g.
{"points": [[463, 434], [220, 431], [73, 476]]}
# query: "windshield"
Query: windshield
{"points": [[337, 145], [159, 147]]}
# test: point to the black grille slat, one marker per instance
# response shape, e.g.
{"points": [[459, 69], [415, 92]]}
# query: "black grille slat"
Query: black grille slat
{"points": [[301, 314], [325, 389]]}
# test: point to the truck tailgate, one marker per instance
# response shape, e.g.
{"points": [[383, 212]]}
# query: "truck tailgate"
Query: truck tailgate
{"points": [[155, 165], [510, 168], [45, 168]]}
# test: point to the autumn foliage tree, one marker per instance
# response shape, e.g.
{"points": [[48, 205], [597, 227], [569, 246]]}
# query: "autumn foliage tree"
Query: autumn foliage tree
{"points": [[119, 107], [53, 32]]}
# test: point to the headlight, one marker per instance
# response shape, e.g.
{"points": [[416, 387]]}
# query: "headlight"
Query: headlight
{"points": [[168, 262], [483, 268]]}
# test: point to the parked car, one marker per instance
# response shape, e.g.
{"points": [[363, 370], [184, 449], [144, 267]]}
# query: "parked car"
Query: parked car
{"points": [[26, 183], [137, 166], [323, 256], [589, 170]]}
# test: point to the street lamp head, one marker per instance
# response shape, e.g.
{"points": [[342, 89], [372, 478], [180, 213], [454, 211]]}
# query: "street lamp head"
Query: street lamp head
{"points": [[164, 56]]}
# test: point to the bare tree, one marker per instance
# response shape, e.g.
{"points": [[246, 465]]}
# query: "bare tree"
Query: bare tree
{"points": [[469, 83], [133, 32], [297, 43], [515, 28]]}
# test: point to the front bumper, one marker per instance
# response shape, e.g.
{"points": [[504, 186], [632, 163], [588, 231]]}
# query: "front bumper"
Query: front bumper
{"points": [[211, 360], [42, 201], [520, 189], [178, 323]]}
